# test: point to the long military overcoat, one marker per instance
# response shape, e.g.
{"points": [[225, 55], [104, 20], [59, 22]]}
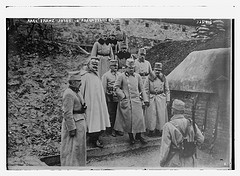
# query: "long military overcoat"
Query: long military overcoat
{"points": [[129, 116], [94, 96], [158, 94], [73, 149]]}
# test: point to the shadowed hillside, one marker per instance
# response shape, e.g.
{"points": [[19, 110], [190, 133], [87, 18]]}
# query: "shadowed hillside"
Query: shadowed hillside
{"points": [[173, 53]]}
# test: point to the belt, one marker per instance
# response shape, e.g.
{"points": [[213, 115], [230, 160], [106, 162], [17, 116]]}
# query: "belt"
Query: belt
{"points": [[143, 74], [78, 112], [103, 54], [156, 93]]}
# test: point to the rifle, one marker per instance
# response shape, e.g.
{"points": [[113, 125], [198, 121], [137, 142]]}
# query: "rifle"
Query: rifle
{"points": [[195, 100]]}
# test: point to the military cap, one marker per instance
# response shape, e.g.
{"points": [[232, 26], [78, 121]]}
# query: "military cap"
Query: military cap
{"points": [[158, 66], [178, 105], [74, 75], [113, 62], [130, 62], [142, 51], [92, 59]]}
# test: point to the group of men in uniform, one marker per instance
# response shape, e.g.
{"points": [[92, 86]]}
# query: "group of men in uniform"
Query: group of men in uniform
{"points": [[126, 99]]}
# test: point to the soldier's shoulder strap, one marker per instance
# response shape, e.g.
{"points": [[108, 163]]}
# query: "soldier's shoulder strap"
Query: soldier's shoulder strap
{"points": [[178, 128]]}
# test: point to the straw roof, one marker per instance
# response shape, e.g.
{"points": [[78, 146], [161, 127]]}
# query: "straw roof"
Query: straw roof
{"points": [[201, 71]]}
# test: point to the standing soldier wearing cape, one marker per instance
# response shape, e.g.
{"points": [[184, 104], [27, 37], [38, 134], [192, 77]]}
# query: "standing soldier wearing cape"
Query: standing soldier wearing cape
{"points": [[157, 89], [94, 96], [122, 56], [130, 117], [73, 134], [103, 49]]}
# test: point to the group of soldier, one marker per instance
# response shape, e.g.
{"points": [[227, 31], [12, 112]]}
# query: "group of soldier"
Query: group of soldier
{"points": [[117, 93]]}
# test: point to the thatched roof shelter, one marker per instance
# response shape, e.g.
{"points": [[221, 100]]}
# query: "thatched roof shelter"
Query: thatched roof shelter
{"points": [[200, 71]]}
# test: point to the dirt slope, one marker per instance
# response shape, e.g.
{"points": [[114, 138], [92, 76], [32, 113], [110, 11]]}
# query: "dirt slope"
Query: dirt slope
{"points": [[173, 53]]}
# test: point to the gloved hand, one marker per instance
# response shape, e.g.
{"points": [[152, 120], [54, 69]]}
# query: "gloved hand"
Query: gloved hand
{"points": [[72, 133], [84, 107]]}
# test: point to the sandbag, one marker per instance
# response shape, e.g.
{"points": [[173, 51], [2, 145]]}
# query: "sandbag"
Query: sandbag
{"points": [[218, 22], [203, 29]]}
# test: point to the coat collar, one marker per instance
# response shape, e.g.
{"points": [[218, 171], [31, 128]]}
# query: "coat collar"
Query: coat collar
{"points": [[153, 77], [177, 116], [92, 72], [101, 41], [127, 74], [141, 61], [113, 72]]}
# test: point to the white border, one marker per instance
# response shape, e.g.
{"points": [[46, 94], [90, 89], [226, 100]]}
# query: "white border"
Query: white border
{"points": [[139, 9]]}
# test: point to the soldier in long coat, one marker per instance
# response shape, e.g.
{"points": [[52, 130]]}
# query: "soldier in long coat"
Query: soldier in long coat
{"points": [[122, 56], [108, 80], [73, 133], [114, 43], [172, 137], [143, 67], [121, 36], [94, 96], [130, 117], [103, 49], [157, 90]]}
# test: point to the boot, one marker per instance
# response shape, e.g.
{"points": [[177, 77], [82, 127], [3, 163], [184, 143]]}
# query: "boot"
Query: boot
{"points": [[140, 138], [150, 133], [98, 144], [97, 141], [159, 133], [132, 141], [113, 133], [119, 133]]}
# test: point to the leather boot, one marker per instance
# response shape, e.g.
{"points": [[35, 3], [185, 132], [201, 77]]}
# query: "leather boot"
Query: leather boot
{"points": [[150, 133], [140, 138], [132, 141]]}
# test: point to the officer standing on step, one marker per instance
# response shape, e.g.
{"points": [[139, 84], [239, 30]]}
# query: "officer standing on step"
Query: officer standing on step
{"points": [[94, 96], [73, 134], [157, 89], [108, 80], [130, 117]]}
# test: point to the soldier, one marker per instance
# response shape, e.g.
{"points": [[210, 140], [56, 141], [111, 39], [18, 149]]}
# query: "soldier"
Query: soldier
{"points": [[108, 80], [157, 89], [73, 135], [122, 55], [143, 67], [121, 36], [129, 112], [173, 133], [114, 43], [94, 96], [103, 49]]}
